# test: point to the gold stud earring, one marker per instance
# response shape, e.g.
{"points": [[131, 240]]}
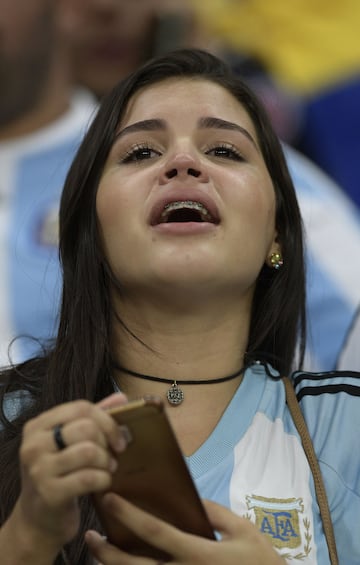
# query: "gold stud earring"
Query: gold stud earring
{"points": [[276, 260]]}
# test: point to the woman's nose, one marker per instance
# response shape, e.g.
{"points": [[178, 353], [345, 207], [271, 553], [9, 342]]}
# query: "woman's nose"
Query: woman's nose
{"points": [[183, 166]]}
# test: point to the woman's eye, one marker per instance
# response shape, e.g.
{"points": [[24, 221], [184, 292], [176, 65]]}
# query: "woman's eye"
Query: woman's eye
{"points": [[225, 152], [139, 154]]}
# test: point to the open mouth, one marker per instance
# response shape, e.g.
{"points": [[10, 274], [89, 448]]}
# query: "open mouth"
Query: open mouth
{"points": [[186, 211]]}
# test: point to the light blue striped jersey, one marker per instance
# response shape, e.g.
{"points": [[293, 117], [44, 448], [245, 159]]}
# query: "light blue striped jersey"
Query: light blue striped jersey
{"points": [[33, 170], [332, 239], [253, 462]]}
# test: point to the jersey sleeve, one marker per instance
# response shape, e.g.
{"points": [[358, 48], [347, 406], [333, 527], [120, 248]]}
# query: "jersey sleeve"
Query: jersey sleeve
{"points": [[331, 406]]}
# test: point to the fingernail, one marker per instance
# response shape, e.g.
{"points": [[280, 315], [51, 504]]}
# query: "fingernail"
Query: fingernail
{"points": [[124, 438], [112, 465], [91, 536]]}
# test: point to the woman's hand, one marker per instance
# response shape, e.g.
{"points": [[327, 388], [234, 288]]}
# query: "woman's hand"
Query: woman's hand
{"points": [[241, 540], [46, 515]]}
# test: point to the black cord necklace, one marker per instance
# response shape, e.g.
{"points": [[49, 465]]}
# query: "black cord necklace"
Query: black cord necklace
{"points": [[175, 395]]}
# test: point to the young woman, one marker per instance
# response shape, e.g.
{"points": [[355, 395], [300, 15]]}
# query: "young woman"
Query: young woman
{"points": [[181, 246]]}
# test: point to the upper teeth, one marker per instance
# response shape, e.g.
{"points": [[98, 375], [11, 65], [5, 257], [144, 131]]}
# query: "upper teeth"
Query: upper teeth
{"points": [[181, 204]]}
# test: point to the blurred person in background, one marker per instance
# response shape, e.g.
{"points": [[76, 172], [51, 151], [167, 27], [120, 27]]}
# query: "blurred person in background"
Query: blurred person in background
{"points": [[310, 50], [350, 352], [110, 37], [42, 120]]}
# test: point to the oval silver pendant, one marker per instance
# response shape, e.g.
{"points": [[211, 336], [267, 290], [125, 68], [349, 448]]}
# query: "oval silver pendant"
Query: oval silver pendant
{"points": [[175, 395]]}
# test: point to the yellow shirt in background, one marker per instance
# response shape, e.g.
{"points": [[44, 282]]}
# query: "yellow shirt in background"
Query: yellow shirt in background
{"points": [[306, 45]]}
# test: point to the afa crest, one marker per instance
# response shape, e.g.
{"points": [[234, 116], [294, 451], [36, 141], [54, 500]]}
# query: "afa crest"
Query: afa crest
{"points": [[278, 518]]}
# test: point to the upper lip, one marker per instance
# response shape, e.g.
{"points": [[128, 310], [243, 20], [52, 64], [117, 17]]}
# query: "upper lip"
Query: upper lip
{"points": [[189, 199]]}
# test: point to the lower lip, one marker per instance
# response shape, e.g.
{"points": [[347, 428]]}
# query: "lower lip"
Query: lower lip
{"points": [[185, 228]]}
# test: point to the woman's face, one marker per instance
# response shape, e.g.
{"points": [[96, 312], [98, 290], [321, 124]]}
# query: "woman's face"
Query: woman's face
{"points": [[185, 200]]}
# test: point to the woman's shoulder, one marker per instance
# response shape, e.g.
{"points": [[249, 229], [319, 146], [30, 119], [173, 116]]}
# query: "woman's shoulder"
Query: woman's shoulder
{"points": [[330, 403], [330, 388], [326, 396]]}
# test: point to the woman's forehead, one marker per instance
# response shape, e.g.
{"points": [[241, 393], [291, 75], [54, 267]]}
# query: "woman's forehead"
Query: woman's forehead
{"points": [[183, 95]]}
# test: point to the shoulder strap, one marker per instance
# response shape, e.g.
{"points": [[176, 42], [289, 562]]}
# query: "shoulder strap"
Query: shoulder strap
{"points": [[301, 427]]}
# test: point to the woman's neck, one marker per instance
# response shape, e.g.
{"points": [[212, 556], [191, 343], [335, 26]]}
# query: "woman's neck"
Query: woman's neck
{"points": [[193, 345], [199, 344], [187, 344]]}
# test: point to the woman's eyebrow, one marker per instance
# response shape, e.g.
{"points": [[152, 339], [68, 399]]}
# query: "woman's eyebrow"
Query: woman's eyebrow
{"points": [[144, 125], [218, 123], [208, 122]]}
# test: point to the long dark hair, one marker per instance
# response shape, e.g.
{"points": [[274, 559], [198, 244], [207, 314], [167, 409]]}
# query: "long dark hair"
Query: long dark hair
{"points": [[78, 364]]}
